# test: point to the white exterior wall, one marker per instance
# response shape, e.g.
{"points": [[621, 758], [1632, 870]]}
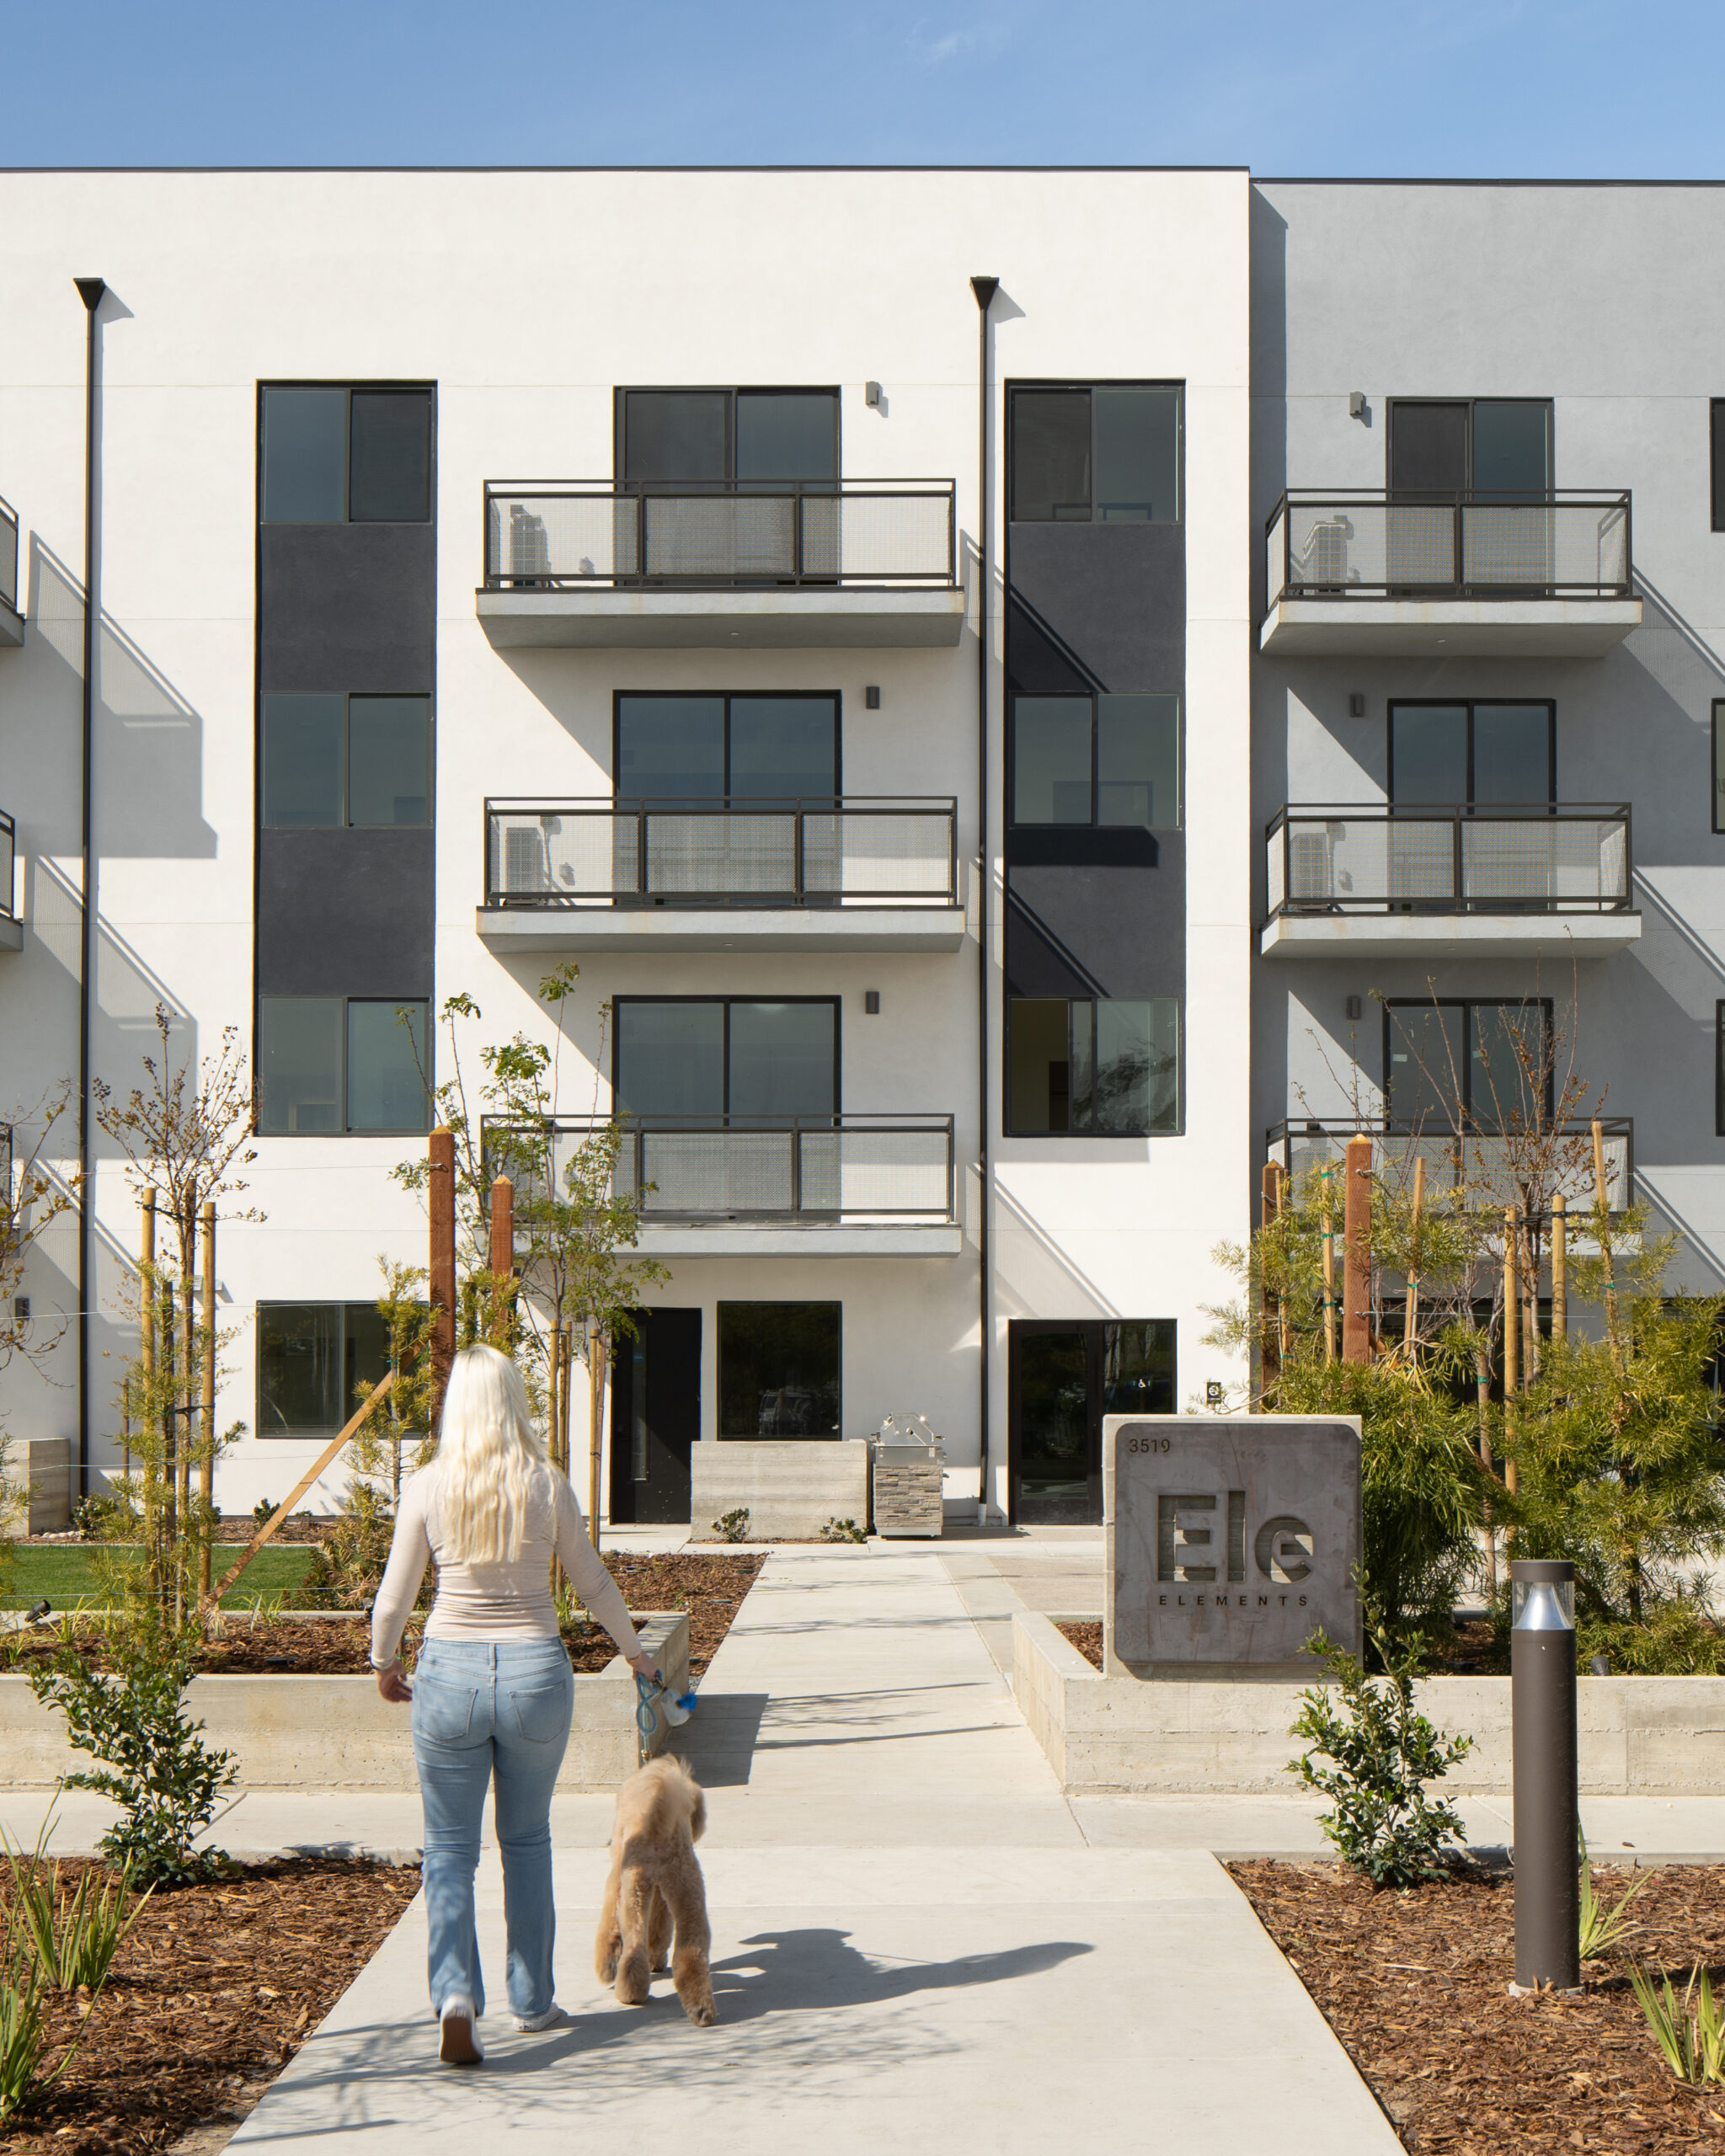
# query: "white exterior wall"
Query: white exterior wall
{"points": [[527, 297]]}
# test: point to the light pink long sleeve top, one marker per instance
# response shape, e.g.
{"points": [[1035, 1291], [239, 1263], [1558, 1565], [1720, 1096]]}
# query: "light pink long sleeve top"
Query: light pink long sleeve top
{"points": [[509, 1601]]}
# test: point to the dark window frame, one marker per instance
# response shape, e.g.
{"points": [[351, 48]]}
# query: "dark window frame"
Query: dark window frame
{"points": [[1177, 1129], [303, 1430], [1719, 1069], [620, 696], [1467, 404], [1017, 697], [1178, 384], [836, 1003], [730, 391], [787, 1302], [1466, 1004], [1469, 704], [427, 389], [428, 1054], [1719, 707], [1715, 462], [349, 698]]}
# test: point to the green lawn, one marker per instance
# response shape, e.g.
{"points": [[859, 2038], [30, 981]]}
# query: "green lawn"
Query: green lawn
{"points": [[63, 1572]]}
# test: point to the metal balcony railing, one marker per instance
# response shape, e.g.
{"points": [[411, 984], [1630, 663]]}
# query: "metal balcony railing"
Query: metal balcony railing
{"points": [[8, 855], [551, 535], [1448, 859], [835, 1170], [1373, 545], [857, 851], [8, 555], [1482, 1163]]}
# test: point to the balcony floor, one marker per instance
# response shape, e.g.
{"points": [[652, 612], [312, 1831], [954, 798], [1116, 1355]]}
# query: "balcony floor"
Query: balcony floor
{"points": [[1448, 628], [12, 626], [1457, 935], [762, 1239], [794, 618], [630, 930]]}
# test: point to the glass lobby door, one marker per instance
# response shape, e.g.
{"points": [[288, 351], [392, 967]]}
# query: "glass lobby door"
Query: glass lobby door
{"points": [[1062, 1379]]}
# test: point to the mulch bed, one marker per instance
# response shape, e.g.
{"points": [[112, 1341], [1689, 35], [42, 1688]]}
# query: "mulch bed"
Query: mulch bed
{"points": [[1471, 2069], [213, 1992], [1085, 1636], [710, 1589]]}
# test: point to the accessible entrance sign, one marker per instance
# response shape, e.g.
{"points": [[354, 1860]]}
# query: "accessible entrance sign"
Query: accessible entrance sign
{"points": [[1230, 1538]]}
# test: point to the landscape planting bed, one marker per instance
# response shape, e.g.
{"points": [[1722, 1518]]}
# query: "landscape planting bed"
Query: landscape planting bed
{"points": [[1416, 1986], [212, 1995], [1084, 1634]]}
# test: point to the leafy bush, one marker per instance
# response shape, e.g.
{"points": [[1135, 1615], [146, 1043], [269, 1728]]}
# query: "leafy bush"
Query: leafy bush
{"points": [[843, 1530], [733, 1526], [347, 1566], [1385, 1752], [154, 1762], [262, 1510]]}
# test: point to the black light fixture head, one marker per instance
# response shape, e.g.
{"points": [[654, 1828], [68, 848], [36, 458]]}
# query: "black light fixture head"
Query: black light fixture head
{"points": [[984, 288], [90, 290]]}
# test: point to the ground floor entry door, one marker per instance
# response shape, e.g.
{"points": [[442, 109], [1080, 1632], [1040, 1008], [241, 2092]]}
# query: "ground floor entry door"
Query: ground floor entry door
{"points": [[656, 1416], [1062, 1377]]}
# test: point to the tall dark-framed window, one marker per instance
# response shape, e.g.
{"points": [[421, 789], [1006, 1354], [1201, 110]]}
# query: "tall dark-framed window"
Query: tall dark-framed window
{"points": [[710, 1056], [780, 1369], [1719, 1070], [688, 438], [330, 760], [1716, 444], [1489, 1063], [313, 1359], [1093, 453], [1099, 760], [781, 744], [331, 1064], [1469, 754], [1484, 446], [1093, 1066], [1718, 767], [332, 453]]}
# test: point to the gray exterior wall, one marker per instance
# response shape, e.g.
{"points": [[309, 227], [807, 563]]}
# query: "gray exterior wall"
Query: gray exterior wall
{"points": [[1601, 298]]}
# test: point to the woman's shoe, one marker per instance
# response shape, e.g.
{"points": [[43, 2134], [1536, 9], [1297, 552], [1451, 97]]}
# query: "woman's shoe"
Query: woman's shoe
{"points": [[459, 2044], [553, 2017]]}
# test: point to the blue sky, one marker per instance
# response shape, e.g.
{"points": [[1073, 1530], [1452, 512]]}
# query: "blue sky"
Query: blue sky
{"points": [[1516, 89]]}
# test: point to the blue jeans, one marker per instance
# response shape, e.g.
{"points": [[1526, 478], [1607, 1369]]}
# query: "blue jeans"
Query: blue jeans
{"points": [[481, 1710]]}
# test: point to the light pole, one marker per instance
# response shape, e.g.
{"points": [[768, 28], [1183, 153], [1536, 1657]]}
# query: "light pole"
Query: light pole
{"points": [[1547, 1816]]}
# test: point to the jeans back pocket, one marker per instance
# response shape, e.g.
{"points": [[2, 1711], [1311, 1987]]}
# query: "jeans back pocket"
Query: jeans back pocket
{"points": [[541, 1709], [442, 1713]]}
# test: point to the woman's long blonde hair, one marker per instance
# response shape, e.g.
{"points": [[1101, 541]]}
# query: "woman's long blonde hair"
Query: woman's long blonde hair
{"points": [[489, 1457]]}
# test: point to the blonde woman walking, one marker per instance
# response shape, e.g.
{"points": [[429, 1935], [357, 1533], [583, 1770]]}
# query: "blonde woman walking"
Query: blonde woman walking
{"points": [[492, 1692]]}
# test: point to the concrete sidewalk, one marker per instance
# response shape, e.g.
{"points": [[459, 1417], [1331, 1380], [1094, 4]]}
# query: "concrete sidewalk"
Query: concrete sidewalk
{"points": [[913, 1938]]}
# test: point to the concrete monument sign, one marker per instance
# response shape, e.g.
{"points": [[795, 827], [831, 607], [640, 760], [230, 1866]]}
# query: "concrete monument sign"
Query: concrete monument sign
{"points": [[1230, 1538]]}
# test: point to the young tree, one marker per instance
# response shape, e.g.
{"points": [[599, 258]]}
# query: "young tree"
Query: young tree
{"points": [[185, 1134]]}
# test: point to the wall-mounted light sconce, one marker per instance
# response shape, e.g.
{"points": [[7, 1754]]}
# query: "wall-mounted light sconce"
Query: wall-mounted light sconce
{"points": [[1355, 1006], [871, 1001], [1356, 705], [21, 1310], [871, 698], [870, 393], [1356, 403]]}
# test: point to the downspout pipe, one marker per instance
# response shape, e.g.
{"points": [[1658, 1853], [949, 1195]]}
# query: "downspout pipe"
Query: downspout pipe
{"points": [[90, 290], [984, 288]]}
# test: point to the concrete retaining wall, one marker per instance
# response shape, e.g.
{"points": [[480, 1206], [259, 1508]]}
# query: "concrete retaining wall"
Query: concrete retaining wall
{"points": [[790, 1486], [42, 1466], [338, 1733], [1639, 1736]]}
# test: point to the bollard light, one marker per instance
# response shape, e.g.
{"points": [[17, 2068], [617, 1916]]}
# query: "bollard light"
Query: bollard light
{"points": [[1543, 1743]]}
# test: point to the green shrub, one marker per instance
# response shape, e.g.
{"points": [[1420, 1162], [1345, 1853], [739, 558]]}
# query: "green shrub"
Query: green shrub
{"points": [[154, 1762], [733, 1526], [1385, 1752], [347, 1566], [1690, 2032], [843, 1530]]}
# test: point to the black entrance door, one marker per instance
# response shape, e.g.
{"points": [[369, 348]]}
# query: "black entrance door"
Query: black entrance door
{"points": [[1062, 1377], [656, 1416]]}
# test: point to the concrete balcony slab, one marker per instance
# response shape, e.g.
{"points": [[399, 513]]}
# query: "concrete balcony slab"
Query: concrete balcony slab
{"points": [[1456, 936], [799, 618], [762, 1239], [1448, 628], [633, 930], [11, 626]]}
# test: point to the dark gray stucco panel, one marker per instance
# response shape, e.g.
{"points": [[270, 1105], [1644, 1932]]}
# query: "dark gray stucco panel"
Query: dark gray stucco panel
{"points": [[1096, 605], [345, 912], [1111, 932], [348, 607]]}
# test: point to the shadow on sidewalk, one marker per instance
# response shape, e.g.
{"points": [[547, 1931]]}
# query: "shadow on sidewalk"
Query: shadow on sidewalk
{"points": [[804, 1970], [719, 1741]]}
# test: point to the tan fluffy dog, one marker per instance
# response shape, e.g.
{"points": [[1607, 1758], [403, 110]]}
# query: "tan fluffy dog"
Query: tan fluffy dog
{"points": [[656, 1891]]}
